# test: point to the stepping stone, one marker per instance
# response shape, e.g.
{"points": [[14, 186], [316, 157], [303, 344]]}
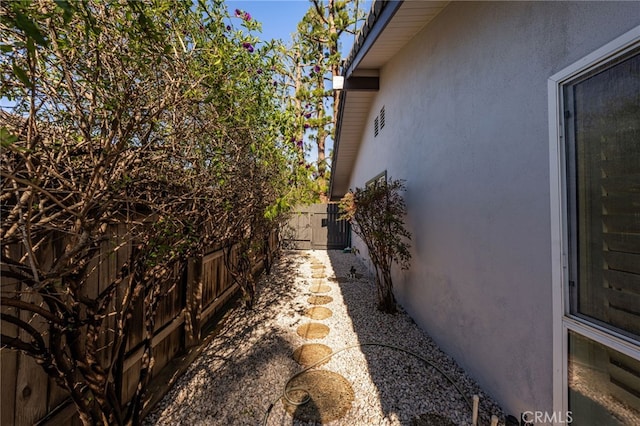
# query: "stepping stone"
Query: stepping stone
{"points": [[320, 288], [317, 266], [330, 397], [319, 300], [313, 330], [318, 313], [310, 354], [322, 275], [432, 419]]}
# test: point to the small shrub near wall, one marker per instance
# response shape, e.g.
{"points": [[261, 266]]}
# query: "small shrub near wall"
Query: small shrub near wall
{"points": [[377, 213]]}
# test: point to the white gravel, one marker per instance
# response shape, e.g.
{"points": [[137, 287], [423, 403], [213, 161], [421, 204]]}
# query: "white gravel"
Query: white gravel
{"points": [[244, 368]]}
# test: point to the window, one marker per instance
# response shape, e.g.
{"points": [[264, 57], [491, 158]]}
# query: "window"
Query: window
{"points": [[602, 128], [595, 197], [379, 178]]}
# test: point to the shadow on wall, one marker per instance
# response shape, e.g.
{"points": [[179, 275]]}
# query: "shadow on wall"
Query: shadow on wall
{"points": [[408, 389]]}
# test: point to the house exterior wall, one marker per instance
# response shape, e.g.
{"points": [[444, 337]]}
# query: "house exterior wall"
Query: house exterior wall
{"points": [[467, 127]]}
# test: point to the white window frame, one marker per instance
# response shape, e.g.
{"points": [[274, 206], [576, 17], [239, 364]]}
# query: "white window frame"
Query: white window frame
{"points": [[380, 177], [563, 322]]}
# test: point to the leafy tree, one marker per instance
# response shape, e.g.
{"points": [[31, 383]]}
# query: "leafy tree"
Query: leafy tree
{"points": [[159, 117], [377, 213], [314, 59]]}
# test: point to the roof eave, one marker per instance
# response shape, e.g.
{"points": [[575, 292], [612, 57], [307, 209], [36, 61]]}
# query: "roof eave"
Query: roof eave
{"points": [[381, 13], [389, 27]]}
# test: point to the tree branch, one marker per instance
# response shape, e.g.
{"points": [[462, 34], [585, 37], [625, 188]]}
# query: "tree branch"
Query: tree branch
{"points": [[30, 307]]}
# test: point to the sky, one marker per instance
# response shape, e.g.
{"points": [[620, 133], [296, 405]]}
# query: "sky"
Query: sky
{"points": [[279, 18]]}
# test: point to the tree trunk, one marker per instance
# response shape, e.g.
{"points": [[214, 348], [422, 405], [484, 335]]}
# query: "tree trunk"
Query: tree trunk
{"points": [[386, 299]]}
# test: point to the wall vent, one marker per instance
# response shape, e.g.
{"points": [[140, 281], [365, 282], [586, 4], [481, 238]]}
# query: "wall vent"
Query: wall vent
{"points": [[382, 118], [375, 127]]}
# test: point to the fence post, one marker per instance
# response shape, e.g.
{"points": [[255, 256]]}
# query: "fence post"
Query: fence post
{"points": [[193, 312]]}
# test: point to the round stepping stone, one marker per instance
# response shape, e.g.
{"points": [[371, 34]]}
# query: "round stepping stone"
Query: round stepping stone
{"points": [[330, 397], [318, 313], [311, 353], [432, 419], [319, 300], [313, 330], [317, 266], [320, 288], [321, 275]]}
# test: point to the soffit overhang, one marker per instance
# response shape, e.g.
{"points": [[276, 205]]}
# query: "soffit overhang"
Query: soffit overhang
{"points": [[388, 28]]}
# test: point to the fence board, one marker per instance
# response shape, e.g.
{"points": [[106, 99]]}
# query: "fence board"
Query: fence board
{"points": [[193, 315], [212, 276], [9, 359], [107, 272], [168, 348], [130, 380], [31, 382], [57, 395], [8, 368], [136, 331], [171, 301], [217, 304]]}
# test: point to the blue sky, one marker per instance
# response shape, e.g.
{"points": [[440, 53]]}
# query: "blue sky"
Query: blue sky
{"points": [[279, 18]]}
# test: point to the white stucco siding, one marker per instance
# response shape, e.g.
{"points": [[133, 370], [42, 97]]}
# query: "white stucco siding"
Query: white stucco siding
{"points": [[466, 126]]}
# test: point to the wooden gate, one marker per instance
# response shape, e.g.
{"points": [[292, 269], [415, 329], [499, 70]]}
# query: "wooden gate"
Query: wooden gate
{"points": [[317, 227]]}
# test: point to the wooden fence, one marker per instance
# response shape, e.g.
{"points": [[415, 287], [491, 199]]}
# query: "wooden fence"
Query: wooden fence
{"points": [[190, 298]]}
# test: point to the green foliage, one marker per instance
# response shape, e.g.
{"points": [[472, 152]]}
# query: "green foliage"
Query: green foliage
{"points": [[376, 214], [313, 60], [158, 114], [6, 138]]}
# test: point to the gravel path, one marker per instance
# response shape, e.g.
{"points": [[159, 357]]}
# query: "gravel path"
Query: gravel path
{"points": [[245, 367]]}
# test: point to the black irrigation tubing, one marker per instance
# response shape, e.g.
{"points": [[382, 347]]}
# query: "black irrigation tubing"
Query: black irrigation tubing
{"points": [[306, 399]]}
